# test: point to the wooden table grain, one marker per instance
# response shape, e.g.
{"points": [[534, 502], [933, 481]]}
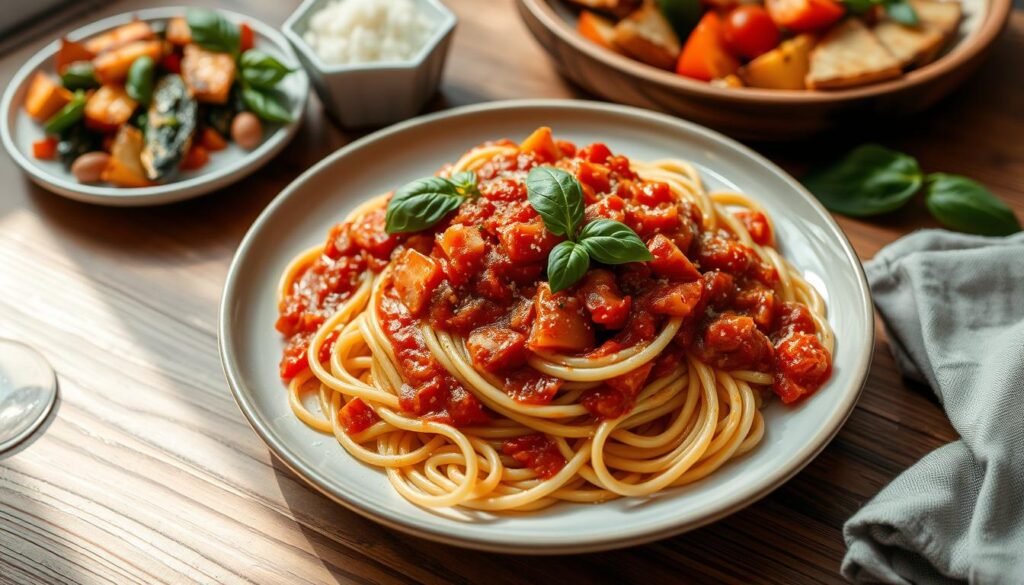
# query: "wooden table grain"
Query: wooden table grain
{"points": [[148, 473]]}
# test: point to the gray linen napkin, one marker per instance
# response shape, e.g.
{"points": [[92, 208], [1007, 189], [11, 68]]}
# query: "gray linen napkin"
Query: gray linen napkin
{"points": [[953, 306]]}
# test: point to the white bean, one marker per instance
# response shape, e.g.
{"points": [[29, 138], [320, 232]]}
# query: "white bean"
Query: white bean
{"points": [[246, 130], [88, 167]]}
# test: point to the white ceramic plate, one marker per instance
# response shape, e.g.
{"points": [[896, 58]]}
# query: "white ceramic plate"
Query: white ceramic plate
{"points": [[302, 214], [19, 131]]}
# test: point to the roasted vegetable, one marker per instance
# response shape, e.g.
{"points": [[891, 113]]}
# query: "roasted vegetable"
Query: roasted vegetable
{"points": [[113, 66], [108, 108], [178, 32], [597, 29], [76, 141], [619, 8], [125, 166], [44, 148], [209, 75], [784, 67], [646, 36], [705, 57], [139, 83], [171, 122], [71, 52], [918, 45], [67, 116], [79, 75], [45, 97], [127, 33]]}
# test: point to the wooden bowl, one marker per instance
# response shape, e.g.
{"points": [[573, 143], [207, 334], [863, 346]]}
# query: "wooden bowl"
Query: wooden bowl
{"points": [[762, 114]]}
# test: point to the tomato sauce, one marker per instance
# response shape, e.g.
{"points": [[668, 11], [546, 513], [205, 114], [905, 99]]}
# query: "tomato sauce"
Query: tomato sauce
{"points": [[480, 274], [538, 452]]}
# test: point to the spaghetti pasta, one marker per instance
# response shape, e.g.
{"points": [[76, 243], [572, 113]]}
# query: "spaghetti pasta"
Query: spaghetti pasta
{"points": [[656, 398]]}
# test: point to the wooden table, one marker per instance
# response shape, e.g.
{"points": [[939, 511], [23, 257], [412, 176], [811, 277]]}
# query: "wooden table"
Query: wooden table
{"points": [[149, 473]]}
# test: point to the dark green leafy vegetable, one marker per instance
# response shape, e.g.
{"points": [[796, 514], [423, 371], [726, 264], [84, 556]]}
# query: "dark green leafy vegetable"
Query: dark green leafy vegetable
{"points": [[421, 204], [613, 242], [261, 70], [211, 31], [67, 116], [681, 14], [268, 105], [967, 206], [557, 197], [76, 141], [171, 123], [870, 180], [139, 83], [898, 10], [79, 75], [567, 263]]}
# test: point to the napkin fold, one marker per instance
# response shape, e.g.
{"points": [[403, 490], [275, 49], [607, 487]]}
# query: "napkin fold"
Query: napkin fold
{"points": [[953, 306]]}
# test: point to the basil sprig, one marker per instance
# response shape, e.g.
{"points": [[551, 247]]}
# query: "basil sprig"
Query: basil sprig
{"points": [[873, 180], [558, 198], [896, 10], [424, 202], [967, 206], [210, 30], [261, 70], [267, 104]]}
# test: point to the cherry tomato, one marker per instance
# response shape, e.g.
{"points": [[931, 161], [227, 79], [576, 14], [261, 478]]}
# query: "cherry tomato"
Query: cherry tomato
{"points": [[804, 15], [748, 31]]}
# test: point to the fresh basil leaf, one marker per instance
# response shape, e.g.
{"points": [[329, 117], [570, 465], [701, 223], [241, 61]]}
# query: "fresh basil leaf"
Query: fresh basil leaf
{"points": [[268, 105], [557, 197], [613, 242], [967, 206], [261, 70], [67, 116], [465, 182], [210, 30], [870, 180], [79, 75], [567, 263], [139, 83], [420, 204], [902, 12]]}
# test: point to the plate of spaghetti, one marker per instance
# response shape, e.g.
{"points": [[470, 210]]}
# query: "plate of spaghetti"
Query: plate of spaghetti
{"points": [[545, 327]]}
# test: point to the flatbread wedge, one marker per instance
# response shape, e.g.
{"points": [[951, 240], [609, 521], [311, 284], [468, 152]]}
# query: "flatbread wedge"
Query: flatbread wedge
{"points": [[646, 36], [619, 8], [850, 55], [918, 45]]}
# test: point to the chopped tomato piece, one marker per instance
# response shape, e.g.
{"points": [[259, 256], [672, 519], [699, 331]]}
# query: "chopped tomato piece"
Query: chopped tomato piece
{"points": [[802, 365], [69, 52], [604, 301], [355, 417], [719, 289], [368, 233], [759, 302], [496, 349], [610, 207], [804, 15], [705, 56], [528, 241], [45, 149], [246, 38], [669, 261], [464, 247], [749, 31], [538, 452], [212, 140], [677, 300], [757, 226], [171, 62], [715, 252], [595, 153], [529, 386], [733, 342], [196, 158], [416, 276], [793, 318], [654, 193], [595, 175], [605, 402], [647, 221], [542, 144], [294, 359], [560, 324]]}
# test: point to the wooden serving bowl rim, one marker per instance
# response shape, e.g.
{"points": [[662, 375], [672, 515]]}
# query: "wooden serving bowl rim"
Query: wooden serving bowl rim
{"points": [[994, 20]]}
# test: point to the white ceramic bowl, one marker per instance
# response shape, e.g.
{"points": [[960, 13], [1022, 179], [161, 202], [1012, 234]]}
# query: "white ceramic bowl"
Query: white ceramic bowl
{"points": [[375, 94], [299, 217], [19, 131]]}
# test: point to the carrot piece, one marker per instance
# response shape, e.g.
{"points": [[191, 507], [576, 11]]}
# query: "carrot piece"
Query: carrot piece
{"points": [[246, 38], [127, 33], [195, 158], [69, 52], [542, 144], [112, 66], [705, 57], [212, 140], [45, 149], [45, 97], [178, 32]]}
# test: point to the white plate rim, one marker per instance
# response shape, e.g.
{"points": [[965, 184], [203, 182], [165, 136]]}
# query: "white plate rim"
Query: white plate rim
{"points": [[591, 543], [200, 184]]}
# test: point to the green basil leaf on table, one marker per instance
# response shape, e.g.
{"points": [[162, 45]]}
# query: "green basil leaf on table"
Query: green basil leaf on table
{"points": [[139, 83], [557, 197], [870, 180], [421, 204], [465, 182], [902, 12], [613, 242], [67, 116], [261, 70], [79, 75], [210, 30], [967, 206], [567, 263], [268, 105]]}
